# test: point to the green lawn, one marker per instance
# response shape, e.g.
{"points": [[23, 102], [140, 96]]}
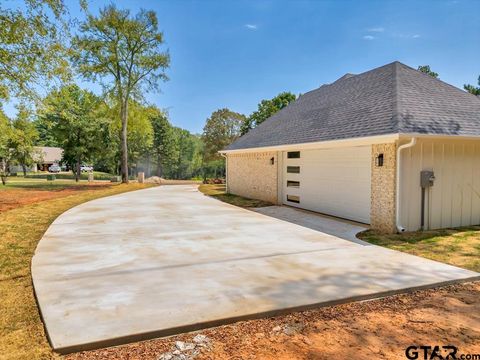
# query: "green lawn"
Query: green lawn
{"points": [[68, 175], [459, 247], [27, 183], [21, 330], [217, 191]]}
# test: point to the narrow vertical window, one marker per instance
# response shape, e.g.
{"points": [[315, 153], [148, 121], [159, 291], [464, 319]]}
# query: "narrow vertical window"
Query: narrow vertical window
{"points": [[291, 183], [293, 198]]}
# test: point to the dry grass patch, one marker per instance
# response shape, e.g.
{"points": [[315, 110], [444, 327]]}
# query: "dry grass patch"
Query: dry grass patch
{"points": [[20, 192], [459, 247], [218, 191], [22, 334]]}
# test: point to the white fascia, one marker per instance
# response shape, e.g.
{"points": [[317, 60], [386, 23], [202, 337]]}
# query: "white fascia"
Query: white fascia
{"points": [[361, 141]]}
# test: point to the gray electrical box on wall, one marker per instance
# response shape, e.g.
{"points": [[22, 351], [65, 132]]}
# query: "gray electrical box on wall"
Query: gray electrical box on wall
{"points": [[426, 178]]}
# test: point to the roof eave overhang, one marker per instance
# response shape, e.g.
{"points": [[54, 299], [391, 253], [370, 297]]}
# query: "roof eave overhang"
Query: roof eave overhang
{"points": [[360, 141], [438, 136]]}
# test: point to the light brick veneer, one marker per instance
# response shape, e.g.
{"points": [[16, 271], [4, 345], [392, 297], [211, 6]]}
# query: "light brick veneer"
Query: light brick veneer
{"points": [[253, 176], [382, 213]]}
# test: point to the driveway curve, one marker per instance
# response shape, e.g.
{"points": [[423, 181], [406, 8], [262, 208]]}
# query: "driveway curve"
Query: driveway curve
{"points": [[168, 259]]}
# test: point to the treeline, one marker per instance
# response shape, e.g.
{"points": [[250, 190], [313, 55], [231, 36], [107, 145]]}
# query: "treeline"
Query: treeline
{"points": [[88, 129], [117, 132]]}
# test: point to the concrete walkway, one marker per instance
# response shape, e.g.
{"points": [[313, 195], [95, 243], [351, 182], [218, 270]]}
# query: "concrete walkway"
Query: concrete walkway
{"points": [[165, 260], [343, 229]]}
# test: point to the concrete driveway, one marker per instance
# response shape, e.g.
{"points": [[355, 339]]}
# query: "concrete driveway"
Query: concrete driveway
{"points": [[165, 260]]}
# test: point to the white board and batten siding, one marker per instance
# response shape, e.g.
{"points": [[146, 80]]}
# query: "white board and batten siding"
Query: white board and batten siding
{"points": [[334, 181], [454, 199]]}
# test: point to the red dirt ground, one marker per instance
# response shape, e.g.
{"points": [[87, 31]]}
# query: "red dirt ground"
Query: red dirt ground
{"points": [[14, 198], [376, 329]]}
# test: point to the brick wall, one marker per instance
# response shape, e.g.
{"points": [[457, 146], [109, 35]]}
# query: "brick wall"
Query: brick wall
{"points": [[382, 213], [253, 176]]}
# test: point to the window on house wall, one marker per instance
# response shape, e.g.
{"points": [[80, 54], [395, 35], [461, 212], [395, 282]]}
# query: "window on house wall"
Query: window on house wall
{"points": [[293, 169], [293, 155], [291, 183], [293, 198]]}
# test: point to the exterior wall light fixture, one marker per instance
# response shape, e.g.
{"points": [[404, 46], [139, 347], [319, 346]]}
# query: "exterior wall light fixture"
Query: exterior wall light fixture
{"points": [[379, 160]]}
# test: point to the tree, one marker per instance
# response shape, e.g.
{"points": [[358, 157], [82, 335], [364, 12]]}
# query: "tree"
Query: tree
{"points": [[220, 130], [126, 49], [182, 161], [267, 108], [31, 51], [5, 151], [44, 129], [22, 140], [426, 70], [163, 141], [140, 134], [472, 89], [78, 124]]}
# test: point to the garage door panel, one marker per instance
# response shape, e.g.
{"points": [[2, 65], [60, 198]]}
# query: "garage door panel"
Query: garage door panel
{"points": [[332, 181]]}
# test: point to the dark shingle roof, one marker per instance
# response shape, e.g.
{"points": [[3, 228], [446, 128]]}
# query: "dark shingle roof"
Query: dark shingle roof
{"points": [[390, 99]]}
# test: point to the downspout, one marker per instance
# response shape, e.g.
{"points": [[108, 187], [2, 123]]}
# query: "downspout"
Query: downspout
{"points": [[412, 142], [226, 171]]}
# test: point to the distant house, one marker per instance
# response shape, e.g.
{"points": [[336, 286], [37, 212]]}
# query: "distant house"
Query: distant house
{"points": [[45, 156], [392, 147]]}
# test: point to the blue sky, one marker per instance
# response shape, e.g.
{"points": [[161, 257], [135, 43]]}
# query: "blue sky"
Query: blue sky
{"points": [[235, 53]]}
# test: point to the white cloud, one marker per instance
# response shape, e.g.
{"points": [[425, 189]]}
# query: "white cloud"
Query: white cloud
{"points": [[376, 29], [251, 26], [406, 36], [368, 37]]}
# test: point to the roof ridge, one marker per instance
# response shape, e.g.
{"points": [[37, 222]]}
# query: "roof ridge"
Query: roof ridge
{"points": [[343, 77]]}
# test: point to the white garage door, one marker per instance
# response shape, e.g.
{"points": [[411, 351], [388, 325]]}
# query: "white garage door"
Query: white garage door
{"points": [[329, 181]]}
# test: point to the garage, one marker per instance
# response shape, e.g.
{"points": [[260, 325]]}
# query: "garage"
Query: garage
{"points": [[335, 181]]}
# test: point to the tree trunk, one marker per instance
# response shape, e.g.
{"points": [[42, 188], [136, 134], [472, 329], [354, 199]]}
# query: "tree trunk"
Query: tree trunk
{"points": [[4, 171], [124, 118], [24, 168], [78, 172]]}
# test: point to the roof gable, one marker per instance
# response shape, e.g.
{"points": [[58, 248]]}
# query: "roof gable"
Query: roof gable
{"points": [[48, 154]]}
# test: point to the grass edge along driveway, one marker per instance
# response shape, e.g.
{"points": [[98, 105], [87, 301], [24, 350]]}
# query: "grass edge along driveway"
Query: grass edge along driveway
{"points": [[22, 335], [218, 191], [458, 247]]}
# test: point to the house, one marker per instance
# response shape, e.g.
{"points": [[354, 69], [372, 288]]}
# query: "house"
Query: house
{"points": [[357, 148], [47, 156], [44, 157]]}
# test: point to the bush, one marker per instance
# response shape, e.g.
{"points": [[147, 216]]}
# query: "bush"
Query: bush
{"points": [[50, 177]]}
